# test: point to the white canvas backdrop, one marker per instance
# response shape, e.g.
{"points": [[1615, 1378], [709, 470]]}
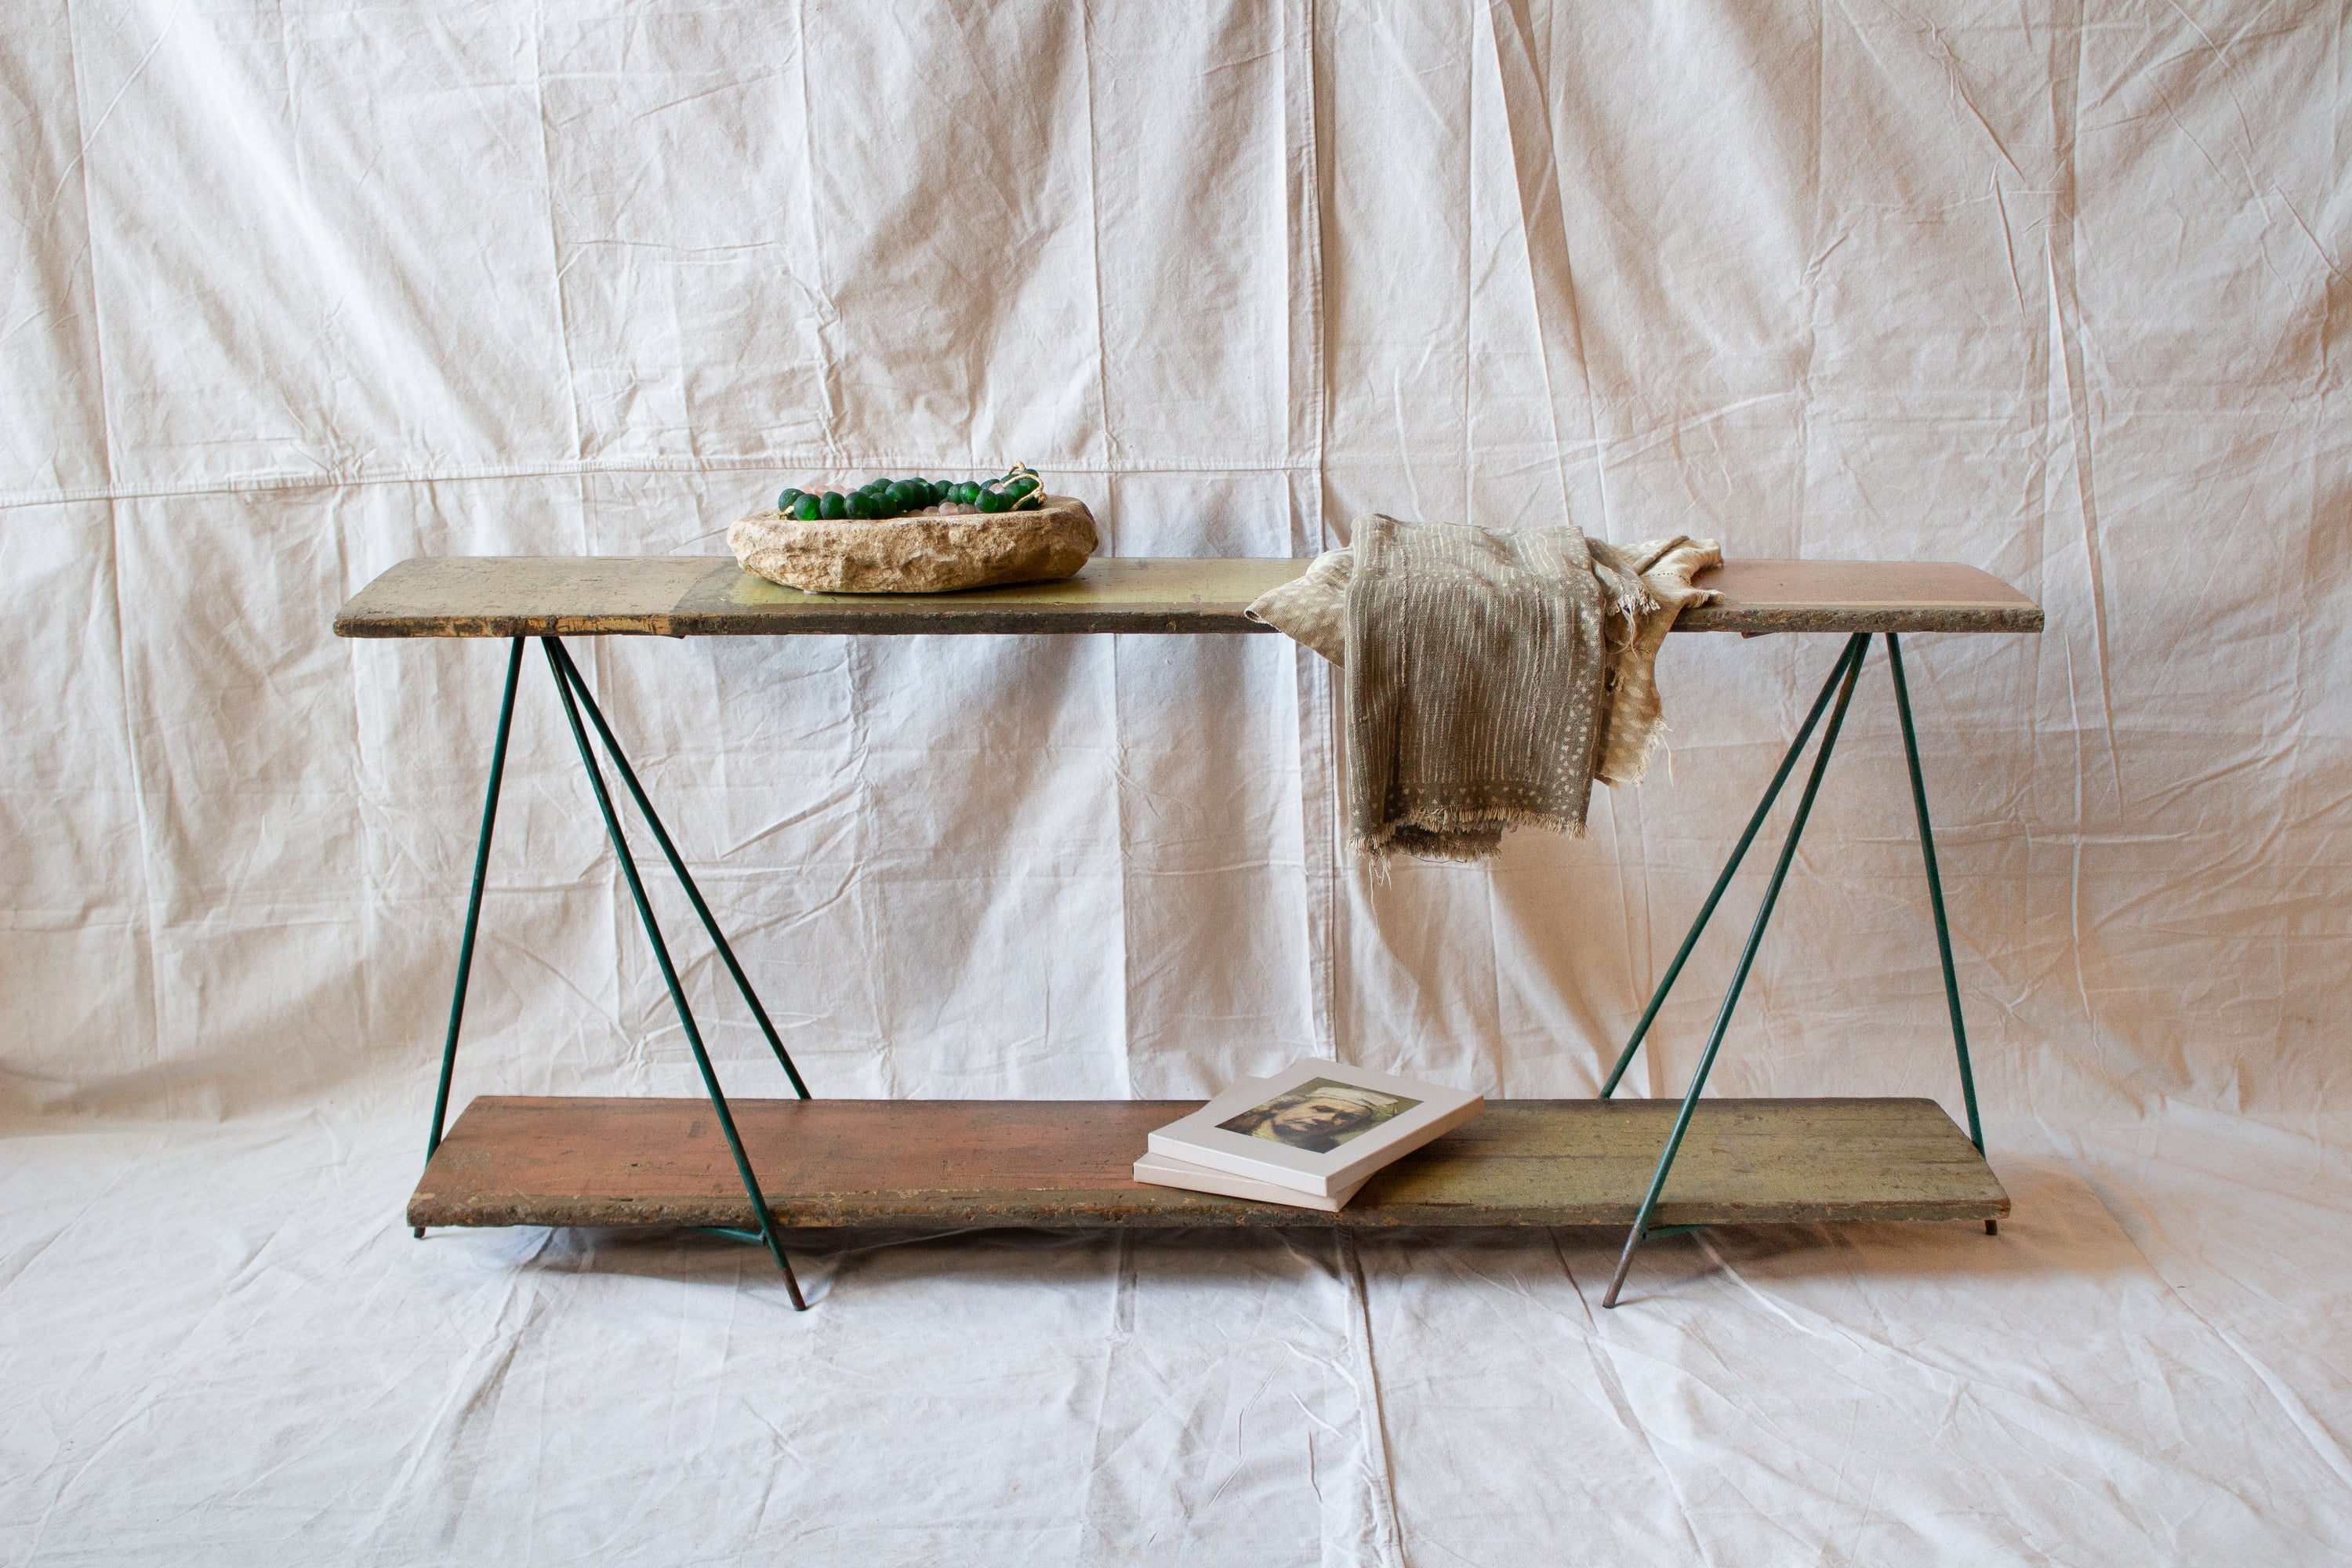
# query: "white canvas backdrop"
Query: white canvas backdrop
{"points": [[291, 293]]}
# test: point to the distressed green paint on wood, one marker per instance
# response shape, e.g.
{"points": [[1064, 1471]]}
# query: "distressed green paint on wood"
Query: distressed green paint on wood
{"points": [[698, 595], [1107, 582], [1066, 1164]]}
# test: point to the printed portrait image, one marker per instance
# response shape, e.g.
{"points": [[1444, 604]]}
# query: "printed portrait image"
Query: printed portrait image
{"points": [[1318, 1115]]}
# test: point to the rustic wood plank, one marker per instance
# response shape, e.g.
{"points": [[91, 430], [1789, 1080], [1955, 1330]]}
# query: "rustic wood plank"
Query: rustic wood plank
{"points": [[1110, 594], [1066, 1164], [1761, 596], [691, 596], [525, 595], [699, 595]]}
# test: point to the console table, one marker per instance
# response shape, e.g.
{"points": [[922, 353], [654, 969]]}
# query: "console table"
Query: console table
{"points": [[1657, 1166]]}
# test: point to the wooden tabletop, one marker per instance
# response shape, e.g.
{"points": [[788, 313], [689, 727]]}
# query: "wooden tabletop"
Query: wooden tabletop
{"points": [[1068, 1165], [701, 595]]}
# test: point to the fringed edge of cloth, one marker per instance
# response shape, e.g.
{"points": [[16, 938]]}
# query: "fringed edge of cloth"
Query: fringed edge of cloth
{"points": [[1621, 584], [1462, 837]]}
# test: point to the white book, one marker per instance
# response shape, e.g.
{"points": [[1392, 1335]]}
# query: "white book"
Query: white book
{"points": [[1316, 1127], [1160, 1171]]}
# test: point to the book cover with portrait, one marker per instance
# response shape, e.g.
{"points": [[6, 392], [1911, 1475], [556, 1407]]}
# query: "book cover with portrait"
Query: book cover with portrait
{"points": [[1316, 1127]]}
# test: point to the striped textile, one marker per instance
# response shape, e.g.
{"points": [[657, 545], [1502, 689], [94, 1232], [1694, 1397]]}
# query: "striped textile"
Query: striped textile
{"points": [[1473, 677]]}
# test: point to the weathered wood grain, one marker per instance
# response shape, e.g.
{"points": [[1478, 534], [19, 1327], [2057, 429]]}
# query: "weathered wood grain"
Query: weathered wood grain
{"points": [[1761, 596], [689, 595], [1066, 1164], [695, 595]]}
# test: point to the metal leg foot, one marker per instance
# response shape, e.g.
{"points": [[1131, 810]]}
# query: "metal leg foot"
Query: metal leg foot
{"points": [[1852, 663], [556, 662], [1992, 1227]]}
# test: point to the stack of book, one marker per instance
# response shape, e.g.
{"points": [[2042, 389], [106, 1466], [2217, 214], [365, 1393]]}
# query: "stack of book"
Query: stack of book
{"points": [[1309, 1136]]}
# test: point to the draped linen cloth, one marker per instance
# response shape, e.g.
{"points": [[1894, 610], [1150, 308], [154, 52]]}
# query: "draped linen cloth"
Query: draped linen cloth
{"points": [[1633, 715], [1474, 665], [1460, 792]]}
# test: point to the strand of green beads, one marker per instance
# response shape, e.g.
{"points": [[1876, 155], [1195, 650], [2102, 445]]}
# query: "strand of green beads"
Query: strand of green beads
{"points": [[1018, 489]]}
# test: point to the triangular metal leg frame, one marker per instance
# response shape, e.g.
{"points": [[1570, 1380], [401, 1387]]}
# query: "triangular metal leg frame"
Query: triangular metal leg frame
{"points": [[1836, 696], [1840, 687], [576, 696]]}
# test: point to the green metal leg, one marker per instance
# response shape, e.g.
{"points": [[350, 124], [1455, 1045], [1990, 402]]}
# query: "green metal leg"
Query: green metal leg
{"points": [[571, 672], [474, 904], [1855, 647], [1935, 897], [556, 664], [1633, 1239]]}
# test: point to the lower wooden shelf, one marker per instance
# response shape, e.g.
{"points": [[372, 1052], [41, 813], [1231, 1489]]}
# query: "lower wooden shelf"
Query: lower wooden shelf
{"points": [[1065, 1164]]}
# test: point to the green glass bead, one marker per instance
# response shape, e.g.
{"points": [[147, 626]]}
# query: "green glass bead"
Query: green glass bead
{"points": [[835, 506], [1022, 486], [904, 497], [966, 494], [864, 505], [994, 501], [784, 501], [808, 509]]}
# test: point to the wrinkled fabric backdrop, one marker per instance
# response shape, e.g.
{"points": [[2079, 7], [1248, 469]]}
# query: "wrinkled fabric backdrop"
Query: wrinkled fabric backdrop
{"points": [[289, 292]]}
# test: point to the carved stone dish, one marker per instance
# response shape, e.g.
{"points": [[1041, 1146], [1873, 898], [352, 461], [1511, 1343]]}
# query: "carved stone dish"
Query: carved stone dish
{"points": [[928, 553]]}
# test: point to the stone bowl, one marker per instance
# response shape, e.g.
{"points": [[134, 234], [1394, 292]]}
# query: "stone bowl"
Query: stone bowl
{"points": [[926, 554]]}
